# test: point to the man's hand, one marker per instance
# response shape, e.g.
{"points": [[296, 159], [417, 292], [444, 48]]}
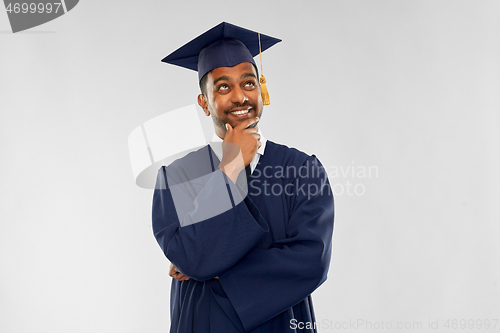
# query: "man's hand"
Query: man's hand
{"points": [[239, 147], [174, 272], [246, 137]]}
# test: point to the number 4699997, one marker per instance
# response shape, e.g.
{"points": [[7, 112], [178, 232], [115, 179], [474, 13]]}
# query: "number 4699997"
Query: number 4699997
{"points": [[33, 7]]}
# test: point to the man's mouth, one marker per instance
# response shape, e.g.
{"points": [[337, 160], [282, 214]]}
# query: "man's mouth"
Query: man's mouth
{"points": [[240, 112]]}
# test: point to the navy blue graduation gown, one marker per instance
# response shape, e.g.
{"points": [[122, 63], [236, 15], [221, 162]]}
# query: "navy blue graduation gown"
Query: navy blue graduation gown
{"points": [[270, 249]]}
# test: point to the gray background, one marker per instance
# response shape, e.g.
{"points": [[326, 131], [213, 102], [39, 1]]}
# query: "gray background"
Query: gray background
{"points": [[408, 87]]}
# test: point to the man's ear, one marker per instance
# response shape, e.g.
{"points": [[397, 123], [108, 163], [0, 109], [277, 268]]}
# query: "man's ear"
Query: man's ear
{"points": [[202, 101]]}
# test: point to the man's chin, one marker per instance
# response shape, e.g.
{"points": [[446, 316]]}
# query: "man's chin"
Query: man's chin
{"points": [[238, 122]]}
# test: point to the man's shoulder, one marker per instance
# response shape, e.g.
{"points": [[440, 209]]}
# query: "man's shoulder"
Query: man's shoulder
{"points": [[193, 165], [285, 155]]}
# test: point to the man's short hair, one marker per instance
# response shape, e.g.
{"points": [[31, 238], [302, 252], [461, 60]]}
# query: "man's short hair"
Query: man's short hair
{"points": [[203, 84]]}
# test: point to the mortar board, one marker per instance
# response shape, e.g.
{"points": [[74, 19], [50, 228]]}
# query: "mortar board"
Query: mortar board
{"points": [[225, 45]]}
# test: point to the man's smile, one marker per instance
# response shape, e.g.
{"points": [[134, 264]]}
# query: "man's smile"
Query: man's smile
{"points": [[241, 111]]}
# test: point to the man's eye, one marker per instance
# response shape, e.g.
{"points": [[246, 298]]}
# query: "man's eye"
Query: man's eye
{"points": [[223, 87], [249, 84]]}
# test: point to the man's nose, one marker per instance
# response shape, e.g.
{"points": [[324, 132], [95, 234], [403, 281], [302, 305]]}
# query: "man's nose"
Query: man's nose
{"points": [[239, 95]]}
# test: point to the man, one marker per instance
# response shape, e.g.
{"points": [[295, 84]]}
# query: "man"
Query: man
{"points": [[245, 257]]}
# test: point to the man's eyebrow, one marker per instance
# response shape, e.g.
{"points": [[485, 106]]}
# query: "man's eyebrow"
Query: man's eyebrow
{"points": [[226, 78], [248, 75], [222, 78]]}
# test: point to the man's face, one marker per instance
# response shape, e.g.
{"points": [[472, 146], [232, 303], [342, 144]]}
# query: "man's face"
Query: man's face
{"points": [[233, 95]]}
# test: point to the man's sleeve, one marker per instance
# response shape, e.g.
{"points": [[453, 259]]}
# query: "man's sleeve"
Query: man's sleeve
{"points": [[266, 282], [203, 225]]}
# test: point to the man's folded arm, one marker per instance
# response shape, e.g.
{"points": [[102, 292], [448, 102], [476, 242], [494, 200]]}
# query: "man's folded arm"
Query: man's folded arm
{"points": [[203, 226], [266, 282]]}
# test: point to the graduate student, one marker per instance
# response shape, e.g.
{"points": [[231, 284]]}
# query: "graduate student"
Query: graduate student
{"points": [[246, 223]]}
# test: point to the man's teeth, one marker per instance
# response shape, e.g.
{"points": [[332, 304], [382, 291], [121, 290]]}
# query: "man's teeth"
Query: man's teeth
{"points": [[240, 112]]}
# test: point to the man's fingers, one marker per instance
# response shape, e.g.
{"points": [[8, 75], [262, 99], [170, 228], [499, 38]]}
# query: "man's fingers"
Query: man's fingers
{"points": [[174, 272], [179, 276], [251, 130], [248, 123], [252, 121], [256, 136]]}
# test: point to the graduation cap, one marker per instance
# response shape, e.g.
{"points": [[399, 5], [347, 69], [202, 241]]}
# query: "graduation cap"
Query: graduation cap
{"points": [[225, 45]]}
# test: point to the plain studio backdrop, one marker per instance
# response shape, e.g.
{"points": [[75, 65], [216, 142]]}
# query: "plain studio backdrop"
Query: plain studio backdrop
{"points": [[398, 99]]}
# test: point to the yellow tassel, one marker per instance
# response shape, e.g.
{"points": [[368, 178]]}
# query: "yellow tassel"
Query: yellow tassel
{"points": [[263, 87], [263, 91]]}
